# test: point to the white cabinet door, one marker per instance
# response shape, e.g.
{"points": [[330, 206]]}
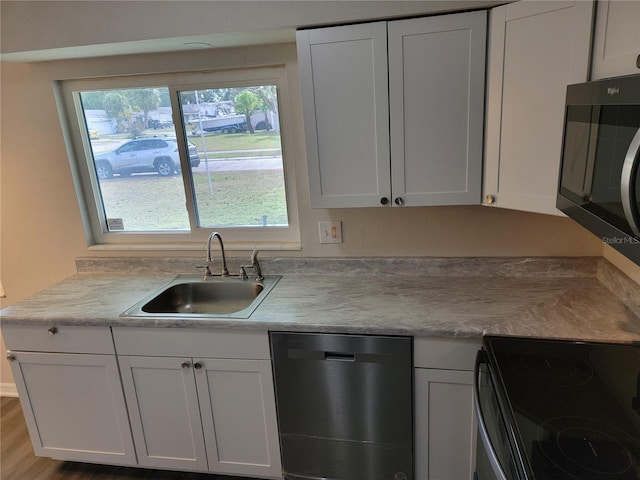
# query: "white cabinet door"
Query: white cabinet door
{"points": [[343, 76], [74, 406], [445, 426], [436, 104], [239, 416], [536, 49], [163, 406], [616, 46], [431, 83]]}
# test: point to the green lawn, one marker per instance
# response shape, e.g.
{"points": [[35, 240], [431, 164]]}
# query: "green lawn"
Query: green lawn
{"points": [[217, 142], [152, 202], [241, 198]]}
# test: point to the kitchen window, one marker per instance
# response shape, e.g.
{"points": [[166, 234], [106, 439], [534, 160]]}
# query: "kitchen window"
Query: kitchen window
{"points": [[165, 159]]}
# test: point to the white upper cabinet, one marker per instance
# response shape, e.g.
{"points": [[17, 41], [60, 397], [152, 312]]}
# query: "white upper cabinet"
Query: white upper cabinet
{"points": [[343, 76], [397, 127], [536, 49], [616, 47], [436, 103]]}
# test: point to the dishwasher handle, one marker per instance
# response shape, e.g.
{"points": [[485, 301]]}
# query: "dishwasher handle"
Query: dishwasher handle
{"points": [[336, 356], [481, 358], [340, 357]]}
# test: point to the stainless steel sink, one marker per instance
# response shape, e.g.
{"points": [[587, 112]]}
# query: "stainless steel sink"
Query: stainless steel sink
{"points": [[193, 297]]}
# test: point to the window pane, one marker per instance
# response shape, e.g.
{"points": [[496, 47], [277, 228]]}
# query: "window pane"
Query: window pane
{"points": [[240, 180], [136, 159]]}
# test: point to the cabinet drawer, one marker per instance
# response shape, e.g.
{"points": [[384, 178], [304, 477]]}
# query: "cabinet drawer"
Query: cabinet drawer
{"points": [[445, 353], [63, 339], [191, 342]]}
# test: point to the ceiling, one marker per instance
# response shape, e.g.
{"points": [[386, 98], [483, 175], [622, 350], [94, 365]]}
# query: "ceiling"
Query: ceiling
{"points": [[45, 30]]}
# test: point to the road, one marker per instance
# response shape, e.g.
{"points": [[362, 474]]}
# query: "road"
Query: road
{"points": [[215, 165]]}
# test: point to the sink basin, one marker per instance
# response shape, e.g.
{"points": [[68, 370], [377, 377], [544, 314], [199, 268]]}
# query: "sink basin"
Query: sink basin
{"points": [[193, 297]]}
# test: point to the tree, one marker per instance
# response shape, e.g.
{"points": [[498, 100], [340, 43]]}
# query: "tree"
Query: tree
{"points": [[269, 101], [93, 100], [246, 103], [165, 100], [145, 99], [115, 104]]}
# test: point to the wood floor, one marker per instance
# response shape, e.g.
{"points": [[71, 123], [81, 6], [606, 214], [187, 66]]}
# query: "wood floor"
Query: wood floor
{"points": [[17, 461]]}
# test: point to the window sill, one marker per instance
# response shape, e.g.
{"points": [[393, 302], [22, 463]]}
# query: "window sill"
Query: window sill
{"points": [[196, 247]]}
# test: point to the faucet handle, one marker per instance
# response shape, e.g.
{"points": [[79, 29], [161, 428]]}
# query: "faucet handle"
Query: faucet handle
{"points": [[243, 273], [256, 265], [207, 271]]}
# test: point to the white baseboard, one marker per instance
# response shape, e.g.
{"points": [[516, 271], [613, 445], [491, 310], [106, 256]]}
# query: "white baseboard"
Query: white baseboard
{"points": [[8, 390]]}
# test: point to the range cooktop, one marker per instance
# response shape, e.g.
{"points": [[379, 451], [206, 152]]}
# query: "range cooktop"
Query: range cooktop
{"points": [[575, 407]]}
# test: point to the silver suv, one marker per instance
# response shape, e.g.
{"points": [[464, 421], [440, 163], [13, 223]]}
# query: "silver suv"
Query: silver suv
{"points": [[144, 155]]}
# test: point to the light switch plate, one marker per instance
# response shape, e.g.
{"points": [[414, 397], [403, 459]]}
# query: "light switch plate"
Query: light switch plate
{"points": [[330, 232]]}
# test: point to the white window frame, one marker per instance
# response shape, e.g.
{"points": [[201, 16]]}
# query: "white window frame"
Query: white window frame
{"points": [[86, 182]]}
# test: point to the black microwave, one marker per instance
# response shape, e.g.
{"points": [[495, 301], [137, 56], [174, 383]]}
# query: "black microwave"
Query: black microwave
{"points": [[599, 186]]}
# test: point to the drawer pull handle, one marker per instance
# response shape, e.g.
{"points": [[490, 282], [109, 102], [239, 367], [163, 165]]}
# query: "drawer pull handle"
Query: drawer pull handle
{"points": [[197, 365], [53, 330], [11, 357], [186, 365]]}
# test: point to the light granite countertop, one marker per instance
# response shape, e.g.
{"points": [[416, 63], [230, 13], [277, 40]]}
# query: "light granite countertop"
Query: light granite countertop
{"points": [[583, 298]]}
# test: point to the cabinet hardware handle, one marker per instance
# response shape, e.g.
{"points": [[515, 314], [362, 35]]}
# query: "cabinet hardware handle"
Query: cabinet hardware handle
{"points": [[490, 199], [384, 201], [11, 357], [197, 365], [399, 201], [186, 364], [638, 61], [53, 330]]}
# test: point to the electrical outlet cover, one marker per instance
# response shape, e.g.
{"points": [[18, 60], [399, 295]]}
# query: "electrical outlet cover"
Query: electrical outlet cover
{"points": [[330, 232]]}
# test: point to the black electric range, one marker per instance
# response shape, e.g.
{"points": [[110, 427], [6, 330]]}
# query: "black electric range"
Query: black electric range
{"points": [[570, 410]]}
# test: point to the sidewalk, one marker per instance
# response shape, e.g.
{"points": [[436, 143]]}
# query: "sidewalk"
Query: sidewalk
{"points": [[241, 163]]}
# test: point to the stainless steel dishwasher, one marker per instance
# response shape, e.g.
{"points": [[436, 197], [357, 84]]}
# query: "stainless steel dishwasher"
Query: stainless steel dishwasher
{"points": [[345, 409]]}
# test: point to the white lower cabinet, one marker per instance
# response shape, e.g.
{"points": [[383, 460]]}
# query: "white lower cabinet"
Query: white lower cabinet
{"points": [[164, 413], [445, 425], [72, 402], [198, 412], [237, 405]]}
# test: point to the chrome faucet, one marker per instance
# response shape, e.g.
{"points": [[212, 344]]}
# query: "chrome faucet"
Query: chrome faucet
{"points": [[225, 270]]}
